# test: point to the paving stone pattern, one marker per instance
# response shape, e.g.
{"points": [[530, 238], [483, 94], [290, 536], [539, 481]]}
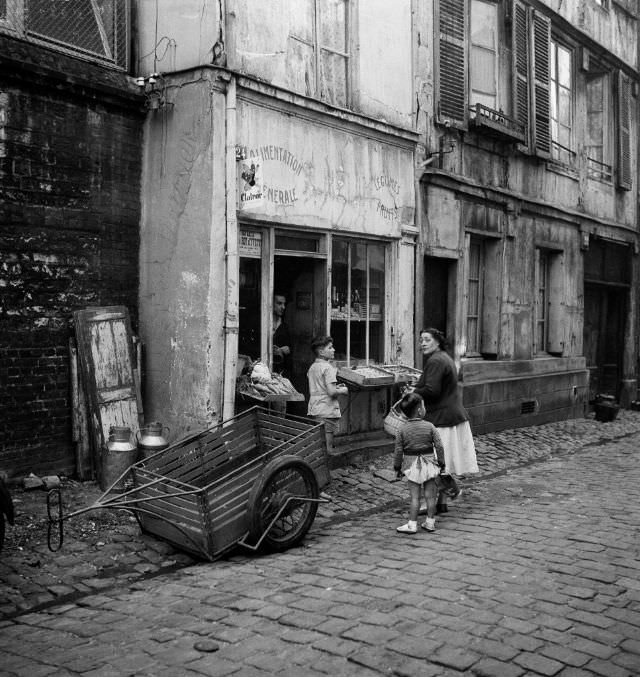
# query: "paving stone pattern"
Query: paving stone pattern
{"points": [[533, 572]]}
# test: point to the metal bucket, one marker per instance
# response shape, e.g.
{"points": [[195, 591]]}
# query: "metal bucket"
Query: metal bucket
{"points": [[151, 440], [120, 453]]}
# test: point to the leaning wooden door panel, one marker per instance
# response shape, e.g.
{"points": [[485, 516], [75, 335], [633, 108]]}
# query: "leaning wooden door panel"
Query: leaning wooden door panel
{"points": [[107, 360]]}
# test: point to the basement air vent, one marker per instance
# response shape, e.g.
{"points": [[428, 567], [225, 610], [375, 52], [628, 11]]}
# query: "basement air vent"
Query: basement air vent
{"points": [[527, 407]]}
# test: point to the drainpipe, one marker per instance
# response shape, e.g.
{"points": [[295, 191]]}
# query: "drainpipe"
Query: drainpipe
{"points": [[231, 256]]}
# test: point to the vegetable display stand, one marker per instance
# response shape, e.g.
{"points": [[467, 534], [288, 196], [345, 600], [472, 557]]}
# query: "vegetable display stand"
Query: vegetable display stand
{"points": [[252, 481]]}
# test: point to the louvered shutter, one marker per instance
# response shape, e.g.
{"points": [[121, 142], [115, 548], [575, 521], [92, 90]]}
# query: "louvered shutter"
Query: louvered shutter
{"points": [[520, 65], [541, 127], [623, 164], [452, 63]]}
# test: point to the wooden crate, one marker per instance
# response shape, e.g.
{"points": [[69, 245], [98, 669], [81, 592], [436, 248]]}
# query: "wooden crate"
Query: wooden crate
{"points": [[218, 468], [402, 373], [366, 375]]}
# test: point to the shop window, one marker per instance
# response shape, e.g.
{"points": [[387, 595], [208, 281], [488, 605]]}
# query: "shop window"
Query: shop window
{"points": [[548, 335], [357, 300], [598, 125], [483, 298], [561, 103], [318, 56]]}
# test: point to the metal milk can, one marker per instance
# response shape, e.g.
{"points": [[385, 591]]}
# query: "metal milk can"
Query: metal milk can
{"points": [[121, 452], [151, 439]]}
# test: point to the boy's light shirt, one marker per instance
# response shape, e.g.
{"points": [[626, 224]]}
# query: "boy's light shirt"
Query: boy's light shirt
{"points": [[322, 373]]}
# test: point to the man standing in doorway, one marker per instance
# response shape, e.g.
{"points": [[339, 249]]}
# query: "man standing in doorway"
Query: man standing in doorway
{"points": [[282, 358]]}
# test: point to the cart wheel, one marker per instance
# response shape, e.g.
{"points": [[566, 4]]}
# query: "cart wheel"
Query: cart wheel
{"points": [[283, 478]]}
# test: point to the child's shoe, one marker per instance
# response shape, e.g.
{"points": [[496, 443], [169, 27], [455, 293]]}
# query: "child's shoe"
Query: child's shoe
{"points": [[429, 524], [408, 528]]}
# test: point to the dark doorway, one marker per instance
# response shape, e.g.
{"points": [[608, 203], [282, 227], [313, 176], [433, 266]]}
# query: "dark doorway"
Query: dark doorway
{"points": [[436, 292], [604, 331], [302, 281]]}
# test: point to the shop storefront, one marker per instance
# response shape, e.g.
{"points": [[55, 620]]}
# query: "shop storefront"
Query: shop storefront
{"points": [[314, 208], [325, 221]]}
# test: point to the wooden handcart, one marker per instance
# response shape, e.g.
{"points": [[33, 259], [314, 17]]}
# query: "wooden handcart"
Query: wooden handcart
{"points": [[252, 481]]}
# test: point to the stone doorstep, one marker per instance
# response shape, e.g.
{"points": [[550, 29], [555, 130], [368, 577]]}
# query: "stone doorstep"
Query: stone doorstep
{"points": [[360, 451]]}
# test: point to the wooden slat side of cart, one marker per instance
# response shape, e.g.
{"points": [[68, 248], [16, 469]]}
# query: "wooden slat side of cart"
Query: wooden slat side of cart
{"points": [[220, 466]]}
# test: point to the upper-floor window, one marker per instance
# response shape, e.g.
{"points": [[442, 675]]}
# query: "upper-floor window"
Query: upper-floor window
{"points": [[318, 56], [483, 62], [599, 123], [93, 29], [561, 102]]}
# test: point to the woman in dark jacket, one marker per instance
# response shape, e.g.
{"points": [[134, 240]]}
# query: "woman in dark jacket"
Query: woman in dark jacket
{"points": [[438, 387]]}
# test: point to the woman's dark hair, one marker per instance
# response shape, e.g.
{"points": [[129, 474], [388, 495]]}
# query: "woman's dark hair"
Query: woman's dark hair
{"points": [[409, 404], [437, 335]]}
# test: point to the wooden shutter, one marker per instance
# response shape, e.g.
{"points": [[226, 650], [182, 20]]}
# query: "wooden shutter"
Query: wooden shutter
{"points": [[452, 63], [623, 164], [541, 41], [520, 64]]}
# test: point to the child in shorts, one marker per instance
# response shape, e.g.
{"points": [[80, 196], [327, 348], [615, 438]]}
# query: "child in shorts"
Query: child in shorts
{"points": [[418, 448], [324, 388]]}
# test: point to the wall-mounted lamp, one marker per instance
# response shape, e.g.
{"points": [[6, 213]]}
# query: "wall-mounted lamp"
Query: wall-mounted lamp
{"points": [[436, 154]]}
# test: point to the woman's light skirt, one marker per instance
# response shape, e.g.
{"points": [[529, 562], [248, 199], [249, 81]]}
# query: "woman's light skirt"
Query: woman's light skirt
{"points": [[459, 449]]}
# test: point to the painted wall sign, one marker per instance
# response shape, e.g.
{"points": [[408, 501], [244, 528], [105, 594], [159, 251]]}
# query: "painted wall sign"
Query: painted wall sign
{"points": [[329, 178], [250, 243], [251, 183], [277, 183]]}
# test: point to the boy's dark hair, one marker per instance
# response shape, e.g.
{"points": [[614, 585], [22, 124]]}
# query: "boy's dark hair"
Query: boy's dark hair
{"points": [[409, 404], [319, 342]]}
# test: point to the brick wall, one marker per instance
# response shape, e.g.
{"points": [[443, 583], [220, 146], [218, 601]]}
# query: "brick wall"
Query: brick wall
{"points": [[70, 162]]}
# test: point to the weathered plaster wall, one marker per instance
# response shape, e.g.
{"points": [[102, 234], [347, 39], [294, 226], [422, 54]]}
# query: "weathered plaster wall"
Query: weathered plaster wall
{"points": [[613, 28], [182, 256], [69, 209], [175, 35]]}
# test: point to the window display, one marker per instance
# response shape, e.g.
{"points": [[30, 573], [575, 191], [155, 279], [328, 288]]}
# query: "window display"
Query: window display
{"points": [[357, 300]]}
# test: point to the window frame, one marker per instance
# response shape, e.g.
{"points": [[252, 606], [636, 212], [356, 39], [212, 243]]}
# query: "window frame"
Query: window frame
{"points": [[317, 47], [601, 169], [496, 55], [334, 314], [557, 148], [489, 292], [554, 302]]}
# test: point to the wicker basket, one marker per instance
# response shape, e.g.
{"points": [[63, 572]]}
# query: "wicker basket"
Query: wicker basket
{"points": [[394, 420]]}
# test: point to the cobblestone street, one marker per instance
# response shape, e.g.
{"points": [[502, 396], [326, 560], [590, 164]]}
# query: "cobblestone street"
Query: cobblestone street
{"points": [[534, 571]]}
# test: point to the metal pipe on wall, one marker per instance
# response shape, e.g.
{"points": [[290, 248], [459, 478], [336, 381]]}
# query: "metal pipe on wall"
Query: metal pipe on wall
{"points": [[231, 318]]}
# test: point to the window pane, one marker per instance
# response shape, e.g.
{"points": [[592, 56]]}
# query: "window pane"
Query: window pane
{"points": [[333, 78], [357, 300], [564, 106], [300, 67], [333, 26], [564, 67], [483, 64], [483, 24], [301, 19]]}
